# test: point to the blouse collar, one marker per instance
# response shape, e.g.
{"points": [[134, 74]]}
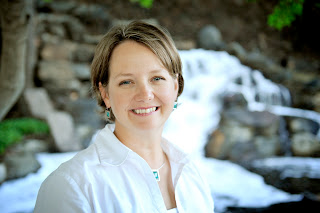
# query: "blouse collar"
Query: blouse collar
{"points": [[112, 152]]}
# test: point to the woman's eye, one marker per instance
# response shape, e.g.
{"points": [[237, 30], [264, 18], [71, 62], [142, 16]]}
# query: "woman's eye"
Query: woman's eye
{"points": [[125, 82], [158, 78]]}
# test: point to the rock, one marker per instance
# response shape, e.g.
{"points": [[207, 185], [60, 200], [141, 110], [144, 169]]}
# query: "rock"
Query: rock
{"points": [[210, 37], [36, 146], [3, 172], [242, 153], [85, 111], [31, 146], [20, 164], [215, 146], [244, 135], [58, 75], [56, 6], [267, 146], [83, 53], [55, 71], [308, 202], [316, 101], [234, 100], [238, 134], [94, 16], [63, 132], [259, 61], [292, 174], [185, 44], [85, 89], [236, 49], [49, 38], [73, 27], [297, 125], [81, 71], [255, 119], [305, 144], [92, 39], [58, 51], [230, 136], [85, 133], [38, 102], [58, 30], [91, 12]]}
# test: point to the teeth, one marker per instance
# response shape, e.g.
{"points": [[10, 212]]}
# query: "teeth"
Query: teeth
{"points": [[144, 111]]}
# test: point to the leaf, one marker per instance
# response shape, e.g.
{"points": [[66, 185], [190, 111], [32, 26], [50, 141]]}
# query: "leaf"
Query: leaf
{"points": [[285, 13], [144, 3]]}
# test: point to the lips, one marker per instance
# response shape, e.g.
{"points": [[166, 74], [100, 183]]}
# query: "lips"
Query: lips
{"points": [[145, 111]]}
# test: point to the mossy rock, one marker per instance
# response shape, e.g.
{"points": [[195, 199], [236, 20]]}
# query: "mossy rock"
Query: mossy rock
{"points": [[13, 130]]}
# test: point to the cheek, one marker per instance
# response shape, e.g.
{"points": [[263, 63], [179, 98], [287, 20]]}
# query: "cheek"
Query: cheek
{"points": [[119, 101], [168, 94]]}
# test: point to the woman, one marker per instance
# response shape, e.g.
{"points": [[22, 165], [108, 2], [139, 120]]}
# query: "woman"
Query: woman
{"points": [[136, 76]]}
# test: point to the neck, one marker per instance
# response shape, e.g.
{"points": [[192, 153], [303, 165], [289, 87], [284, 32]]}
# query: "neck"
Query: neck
{"points": [[146, 143]]}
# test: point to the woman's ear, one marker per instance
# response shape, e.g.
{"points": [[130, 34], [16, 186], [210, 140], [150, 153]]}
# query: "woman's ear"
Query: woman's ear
{"points": [[176, 84], [104, 95]]}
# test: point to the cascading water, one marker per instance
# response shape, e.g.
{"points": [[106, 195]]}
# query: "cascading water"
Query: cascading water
{"points": [[209, 74]]}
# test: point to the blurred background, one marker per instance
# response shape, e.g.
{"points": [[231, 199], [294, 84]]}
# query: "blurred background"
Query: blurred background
{"points": [[250, 109]]}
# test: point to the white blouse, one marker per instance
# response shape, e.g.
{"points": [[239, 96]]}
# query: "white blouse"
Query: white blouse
{"points": [[173, 210], [108, 177]]}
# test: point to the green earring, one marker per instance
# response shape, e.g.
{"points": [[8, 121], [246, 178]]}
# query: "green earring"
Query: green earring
{"points": [[175, 106], [108, 113]]}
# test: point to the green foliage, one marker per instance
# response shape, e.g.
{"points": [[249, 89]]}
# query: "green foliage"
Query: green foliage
{"points": [[13, 130], [144, 3], [285, 13]]}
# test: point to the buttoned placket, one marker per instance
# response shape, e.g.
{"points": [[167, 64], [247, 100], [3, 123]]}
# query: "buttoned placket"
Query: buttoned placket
{"points": [[122, 155], [153, 187]]}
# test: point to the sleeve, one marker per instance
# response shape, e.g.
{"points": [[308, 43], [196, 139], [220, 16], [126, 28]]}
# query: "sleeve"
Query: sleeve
{"points": [[60, 193]]}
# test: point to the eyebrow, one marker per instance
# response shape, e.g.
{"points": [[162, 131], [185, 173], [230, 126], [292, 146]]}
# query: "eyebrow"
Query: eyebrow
{"points": [[130, 74], [123, 75]]}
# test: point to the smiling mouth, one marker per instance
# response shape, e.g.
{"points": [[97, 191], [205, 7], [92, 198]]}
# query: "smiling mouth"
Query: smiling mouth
{"points": [[145, 111]]}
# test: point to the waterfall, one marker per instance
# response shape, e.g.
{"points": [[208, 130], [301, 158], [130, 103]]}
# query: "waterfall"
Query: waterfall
{"points": [[211, 73]]}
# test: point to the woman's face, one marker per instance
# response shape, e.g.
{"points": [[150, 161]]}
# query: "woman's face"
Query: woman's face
{"points": [[141, 92]]}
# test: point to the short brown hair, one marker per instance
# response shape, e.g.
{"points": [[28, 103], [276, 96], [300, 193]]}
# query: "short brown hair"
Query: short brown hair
{"points": [[156, 38]]}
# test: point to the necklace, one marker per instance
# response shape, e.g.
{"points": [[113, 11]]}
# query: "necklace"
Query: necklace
{"points": [[156, 172]]}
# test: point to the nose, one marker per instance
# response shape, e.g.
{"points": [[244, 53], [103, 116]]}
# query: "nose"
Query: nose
{"points": [[144, 92]]}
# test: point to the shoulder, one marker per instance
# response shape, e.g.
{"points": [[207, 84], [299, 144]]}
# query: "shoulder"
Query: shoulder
{"points": [[192, 181], [60, 192], [72, 172]]}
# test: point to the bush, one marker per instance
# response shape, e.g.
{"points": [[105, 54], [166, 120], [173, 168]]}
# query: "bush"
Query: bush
{"points": [[144, 3], [285, 13], [13, 130]]}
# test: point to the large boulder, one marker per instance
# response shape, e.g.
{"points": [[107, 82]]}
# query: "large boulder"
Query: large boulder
{"points": [[38, 102], [210, 37], [20, 164], [3, 172], [305, 144], [58, 75], [63, 131], [244, 135]]}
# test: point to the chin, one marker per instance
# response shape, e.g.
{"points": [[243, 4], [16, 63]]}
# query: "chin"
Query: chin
{"points": [[149, 125]]}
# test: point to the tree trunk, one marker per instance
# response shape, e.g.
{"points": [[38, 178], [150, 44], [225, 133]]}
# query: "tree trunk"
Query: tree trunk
{"points": [[32, 51], [14, 25]]}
